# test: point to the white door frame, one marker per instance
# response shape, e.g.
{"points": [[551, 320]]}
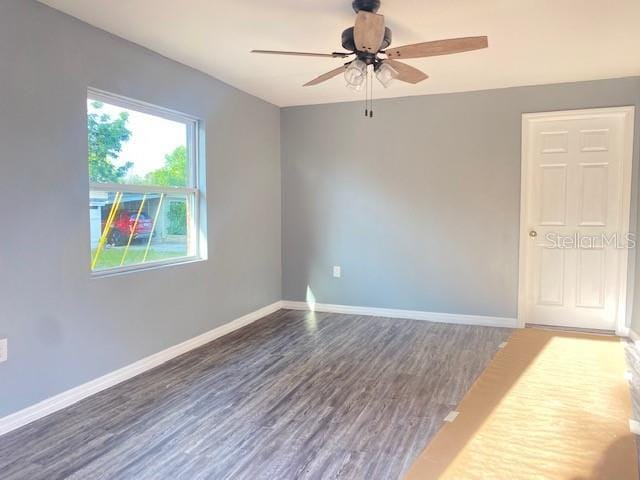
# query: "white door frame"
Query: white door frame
{"points": [[625, 204]]}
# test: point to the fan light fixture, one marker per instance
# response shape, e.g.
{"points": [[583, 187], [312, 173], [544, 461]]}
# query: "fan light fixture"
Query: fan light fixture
{"points": [[355, 74], [386, 74], [369, 40]]}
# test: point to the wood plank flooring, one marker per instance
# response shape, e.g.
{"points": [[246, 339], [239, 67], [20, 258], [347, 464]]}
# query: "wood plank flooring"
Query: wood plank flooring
{"points": [[294, 395]]}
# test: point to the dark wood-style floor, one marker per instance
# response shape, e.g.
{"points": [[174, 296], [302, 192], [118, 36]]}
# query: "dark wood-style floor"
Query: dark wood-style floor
{"points": [[294, 395]]}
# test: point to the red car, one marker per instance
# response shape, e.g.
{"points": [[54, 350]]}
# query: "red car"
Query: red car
{"points": [[122, 227]]}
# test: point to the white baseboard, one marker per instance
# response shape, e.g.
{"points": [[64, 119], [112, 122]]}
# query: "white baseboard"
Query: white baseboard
{"points": [[406, 314], [623, 332], [634, 337], [65, 399]]}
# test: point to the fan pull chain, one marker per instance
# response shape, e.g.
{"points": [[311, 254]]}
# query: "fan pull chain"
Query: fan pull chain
{"points": [[369, 90], [366, 92], [371, 96]]}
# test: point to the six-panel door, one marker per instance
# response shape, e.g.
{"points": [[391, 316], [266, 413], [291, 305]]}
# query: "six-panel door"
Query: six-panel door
{"points": [[574, 207]]}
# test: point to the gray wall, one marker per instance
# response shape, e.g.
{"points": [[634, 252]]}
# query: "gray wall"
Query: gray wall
{"points": [[420, 206], [65, 328]]}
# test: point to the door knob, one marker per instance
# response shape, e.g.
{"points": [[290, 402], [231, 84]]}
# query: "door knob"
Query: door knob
{"points": [[533, 234]]}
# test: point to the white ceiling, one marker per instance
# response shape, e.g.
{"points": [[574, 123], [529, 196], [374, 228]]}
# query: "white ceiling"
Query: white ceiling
{"points": [[530, 41]]}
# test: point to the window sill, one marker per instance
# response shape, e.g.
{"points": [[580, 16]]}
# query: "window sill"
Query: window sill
{"points": [[113, 272]]}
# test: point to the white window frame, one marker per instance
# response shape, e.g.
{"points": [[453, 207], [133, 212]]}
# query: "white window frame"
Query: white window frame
{"points": [[192, 192]]}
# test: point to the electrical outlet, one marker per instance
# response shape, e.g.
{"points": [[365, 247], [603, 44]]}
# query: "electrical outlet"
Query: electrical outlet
{"points": [[337, 272], [4, 352]]}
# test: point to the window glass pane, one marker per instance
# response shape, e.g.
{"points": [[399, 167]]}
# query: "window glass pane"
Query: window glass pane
{"points": [[135, 148], [135, 228]]}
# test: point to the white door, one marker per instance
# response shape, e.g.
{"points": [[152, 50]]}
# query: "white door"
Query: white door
{"points": [[576, 191]]}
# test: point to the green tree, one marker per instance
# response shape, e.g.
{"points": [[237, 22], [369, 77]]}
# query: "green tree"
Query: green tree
{"points": [[177, 217], [106, 136], [174, 171], [173, 174]]}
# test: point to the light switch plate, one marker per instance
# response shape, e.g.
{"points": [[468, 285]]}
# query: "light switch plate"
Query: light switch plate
{"points": [[337, 272], [4, 353]]}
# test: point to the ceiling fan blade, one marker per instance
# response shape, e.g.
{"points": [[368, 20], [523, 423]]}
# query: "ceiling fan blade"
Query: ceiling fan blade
{"points": [[368, 33], [326, 76], [304, 54], [439, 47], [407, 73]]}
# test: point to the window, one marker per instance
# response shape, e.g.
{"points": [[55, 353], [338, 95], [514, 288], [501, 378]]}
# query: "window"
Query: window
{"points": [[144, 194]]}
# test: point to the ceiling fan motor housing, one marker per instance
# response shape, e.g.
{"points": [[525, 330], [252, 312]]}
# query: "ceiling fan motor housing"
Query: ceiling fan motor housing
{"points": [[348, 42], [366, 5]]}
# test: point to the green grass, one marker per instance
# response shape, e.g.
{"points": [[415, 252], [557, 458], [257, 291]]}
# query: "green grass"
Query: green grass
{"points": [[111, 257]]}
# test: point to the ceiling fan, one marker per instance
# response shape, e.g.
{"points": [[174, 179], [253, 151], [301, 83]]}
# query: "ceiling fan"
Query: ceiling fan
{"points": [[370, 40]]}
